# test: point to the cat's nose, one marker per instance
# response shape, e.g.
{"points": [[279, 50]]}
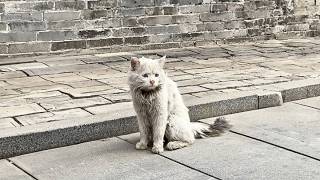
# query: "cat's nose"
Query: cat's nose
{"points": [[151, 82]]}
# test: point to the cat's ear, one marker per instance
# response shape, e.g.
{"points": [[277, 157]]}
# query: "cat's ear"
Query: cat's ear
{"points": [[162, 61], [135, 63]]}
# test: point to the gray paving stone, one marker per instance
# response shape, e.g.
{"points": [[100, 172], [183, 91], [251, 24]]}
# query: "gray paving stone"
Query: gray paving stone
{"points": [[117, 107], [65, 69], [312, 102], [107, 159], [10, 111], [22, 66], [32, 82], [191, 89], [73, 103], [8, 123], [232, 156], [292, 126], [64, 77], [11, 74], [9, 172], [91, 91], [52, 116]]}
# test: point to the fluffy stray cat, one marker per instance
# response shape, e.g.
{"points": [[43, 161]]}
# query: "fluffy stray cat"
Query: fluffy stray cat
{"points": [[160, 110]]}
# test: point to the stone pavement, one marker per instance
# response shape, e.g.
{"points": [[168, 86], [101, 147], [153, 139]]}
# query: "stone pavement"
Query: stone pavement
{"points": [[39, 92], [272, 143]]}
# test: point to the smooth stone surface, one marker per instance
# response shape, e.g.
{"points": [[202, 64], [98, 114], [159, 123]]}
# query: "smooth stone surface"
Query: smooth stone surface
{"points": [[10, 172], [237, 157], [313, 102], [292, 126], [106, 159]]}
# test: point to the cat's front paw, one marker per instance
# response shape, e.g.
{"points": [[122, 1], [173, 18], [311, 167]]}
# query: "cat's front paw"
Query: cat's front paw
{"points": [[157, 150], [141, 146]]}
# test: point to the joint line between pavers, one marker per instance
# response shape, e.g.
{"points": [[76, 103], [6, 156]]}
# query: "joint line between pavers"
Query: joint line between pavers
{"points": [[178, 162], [25, 171], [272, 144], [17, 121], [306, 105]]}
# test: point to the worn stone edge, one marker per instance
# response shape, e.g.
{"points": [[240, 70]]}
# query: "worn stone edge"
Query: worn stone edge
{"points": [[28, 139]]}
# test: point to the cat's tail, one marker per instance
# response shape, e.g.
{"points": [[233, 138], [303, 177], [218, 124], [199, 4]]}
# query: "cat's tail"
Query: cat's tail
{"points": [[201, 130]]}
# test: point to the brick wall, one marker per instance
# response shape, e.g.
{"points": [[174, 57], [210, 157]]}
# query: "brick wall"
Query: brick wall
{"points": [[36, 26]]}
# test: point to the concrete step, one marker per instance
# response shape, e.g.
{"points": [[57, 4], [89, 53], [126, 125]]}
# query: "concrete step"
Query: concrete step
{"points": [[27, 139]]}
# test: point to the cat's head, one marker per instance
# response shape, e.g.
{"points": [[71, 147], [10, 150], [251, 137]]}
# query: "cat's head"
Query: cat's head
{"points": [[146, 74]]}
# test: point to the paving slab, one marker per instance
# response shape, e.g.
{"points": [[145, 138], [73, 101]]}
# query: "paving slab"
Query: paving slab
{"points": [[108, 159], [292, 126], [233, 156], [9, 172], [312, 102]]}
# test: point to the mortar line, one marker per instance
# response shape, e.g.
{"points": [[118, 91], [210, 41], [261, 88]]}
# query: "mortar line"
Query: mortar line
{"points": [[25, 171], [185, 165]]}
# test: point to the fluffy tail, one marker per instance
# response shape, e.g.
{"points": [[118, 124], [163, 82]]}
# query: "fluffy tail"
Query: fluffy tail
{"points": [[202, 130]]}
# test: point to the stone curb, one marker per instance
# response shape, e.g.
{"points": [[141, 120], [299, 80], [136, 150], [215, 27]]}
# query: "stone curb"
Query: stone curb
{"points": [[27, 139]]}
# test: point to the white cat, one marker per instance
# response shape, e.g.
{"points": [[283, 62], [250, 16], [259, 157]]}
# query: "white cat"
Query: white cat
{"points": [[160, 110]]}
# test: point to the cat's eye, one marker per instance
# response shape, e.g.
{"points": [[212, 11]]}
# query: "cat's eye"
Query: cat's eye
{"points": [[145, 75], [156, 75]]}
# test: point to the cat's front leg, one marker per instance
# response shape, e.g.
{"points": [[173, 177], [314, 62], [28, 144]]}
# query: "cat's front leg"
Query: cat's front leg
{"points": [[159, 128], [144, 133]]}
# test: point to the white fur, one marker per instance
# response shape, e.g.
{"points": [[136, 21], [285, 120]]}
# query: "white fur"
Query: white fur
{"points": [[160, 110]]}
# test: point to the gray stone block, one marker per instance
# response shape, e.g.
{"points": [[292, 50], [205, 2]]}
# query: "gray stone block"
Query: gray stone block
{"points": [[9, 171], [211, 26], [130, 21], [97, 14], [80, 44], [23, 16], [102, 4], [160, 29], [3, 26], [29, 47], [292, 126], [125, 12], [2, 7], [233, 156], [183, 19], [218, 8], [105, 159], [311, 102], [225, 16], [3, 49], [94, 33], [186, 2], [66, 25], [105, 42], [203, 8], [55, 35], [139, 40], [269, 99], [155, 20], [187, 36], [41, 136], [134, 31], [141, 3], [13, 6], [223, 104], [61, 16], [26, 26], [69, 5], [167, 45]]}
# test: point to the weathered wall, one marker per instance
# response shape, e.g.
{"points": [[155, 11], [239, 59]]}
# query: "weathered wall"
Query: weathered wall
{"points": [[57, 25]]}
